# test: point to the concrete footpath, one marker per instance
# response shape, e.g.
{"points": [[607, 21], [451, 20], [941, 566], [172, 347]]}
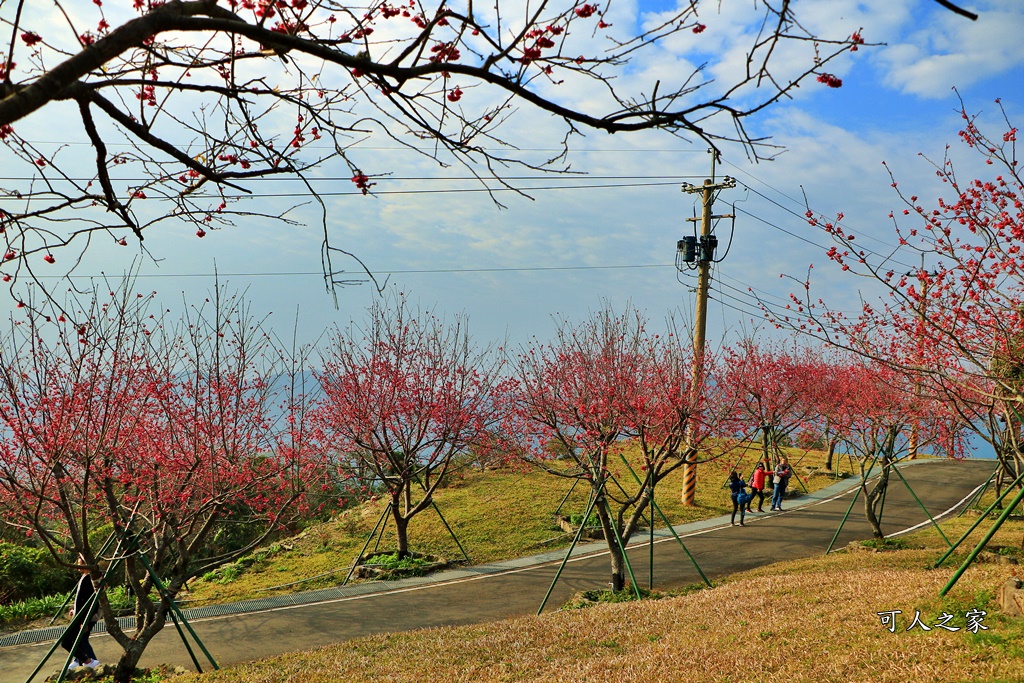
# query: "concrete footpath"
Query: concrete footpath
{"points": [[254, 629]]}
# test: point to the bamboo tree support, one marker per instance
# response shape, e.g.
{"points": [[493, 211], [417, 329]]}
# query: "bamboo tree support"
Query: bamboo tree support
{"points": [[355, 563], [996, 503], [930, 518], [671, 529], [863, 482], [984, 541], [981, 492], [568, 554]]}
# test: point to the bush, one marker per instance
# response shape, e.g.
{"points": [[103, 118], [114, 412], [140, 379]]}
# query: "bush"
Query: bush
{"points": [[885, 544], [592, 521], [24, 611], [585, 599], [27, 572]]}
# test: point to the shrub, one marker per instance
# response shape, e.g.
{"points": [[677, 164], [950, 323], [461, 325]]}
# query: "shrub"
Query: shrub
{"points": [[885, 544], [585, 599], [24, 611], [27, 572]]}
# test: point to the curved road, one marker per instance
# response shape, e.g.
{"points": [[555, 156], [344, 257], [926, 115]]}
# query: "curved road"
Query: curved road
{"points": [[517, 588]]}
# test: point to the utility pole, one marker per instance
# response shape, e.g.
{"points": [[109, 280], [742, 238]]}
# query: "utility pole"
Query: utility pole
{"points": [[703, 252], [914, 440], [915, 425]]}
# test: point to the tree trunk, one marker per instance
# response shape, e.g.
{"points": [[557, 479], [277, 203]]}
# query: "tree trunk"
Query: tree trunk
{"points": [[870, 511], [129, 660], [618, 570], [611, 536], [401, 532], [832, 443], [874, 500]]}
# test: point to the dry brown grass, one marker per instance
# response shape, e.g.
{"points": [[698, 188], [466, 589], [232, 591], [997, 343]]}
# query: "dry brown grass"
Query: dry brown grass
{"points": [[810, 621]]}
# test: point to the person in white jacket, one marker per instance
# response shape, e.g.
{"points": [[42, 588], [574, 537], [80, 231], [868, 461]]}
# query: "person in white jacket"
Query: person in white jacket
{"points": [[781, 479]]}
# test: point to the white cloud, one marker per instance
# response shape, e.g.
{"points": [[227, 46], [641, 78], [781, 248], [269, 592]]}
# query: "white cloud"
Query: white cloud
{"points": [[948, 50]]}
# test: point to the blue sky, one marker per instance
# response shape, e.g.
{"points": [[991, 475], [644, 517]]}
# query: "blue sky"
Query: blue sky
{"points": [[611, 235]]}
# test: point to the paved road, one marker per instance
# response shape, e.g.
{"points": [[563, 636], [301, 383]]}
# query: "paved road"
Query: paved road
{"points": [[518, 587]]}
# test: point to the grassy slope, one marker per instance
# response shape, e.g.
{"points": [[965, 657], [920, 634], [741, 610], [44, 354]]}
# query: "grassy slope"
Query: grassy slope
{"points": [[812, 620], [481, 507]]}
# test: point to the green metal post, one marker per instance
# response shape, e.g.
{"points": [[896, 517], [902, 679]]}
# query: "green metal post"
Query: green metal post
{"points": [[988, 537], [625, 557], [974, 526], [380, 536], [566, 497], [60, 610], [162, 589], [184, 639], [863, 481], [981, 492], [366, 545], [650, 560], [885, 493], [930, 518], [672, 530], [450, 532], [91, 607], [49, 654], [568, 554]]}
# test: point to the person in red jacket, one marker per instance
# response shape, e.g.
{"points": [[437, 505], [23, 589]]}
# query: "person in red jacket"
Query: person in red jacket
{"points": [[757, 484]]}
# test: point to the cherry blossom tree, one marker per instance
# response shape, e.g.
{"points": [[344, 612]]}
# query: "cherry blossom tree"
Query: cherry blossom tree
{"points": [[601, 385], [872, 422], [955, 322], [404, 396], [185, 102], [771, 384], [161, 432]]}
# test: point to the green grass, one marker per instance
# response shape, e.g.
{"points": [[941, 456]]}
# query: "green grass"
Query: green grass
{"points": [[885, 544]]}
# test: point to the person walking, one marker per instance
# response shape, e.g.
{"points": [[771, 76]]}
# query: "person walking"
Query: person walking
{"points": [[757, 480], [737, 495], [81, 623], [781, 479]]}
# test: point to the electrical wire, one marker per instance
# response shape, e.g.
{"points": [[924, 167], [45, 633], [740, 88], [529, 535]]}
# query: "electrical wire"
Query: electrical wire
{"points": [[425, 271]]}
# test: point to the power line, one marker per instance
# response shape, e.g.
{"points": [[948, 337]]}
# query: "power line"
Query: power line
{"points": [[358, 193], [554, 175], [803, 218], [426, 271]]}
